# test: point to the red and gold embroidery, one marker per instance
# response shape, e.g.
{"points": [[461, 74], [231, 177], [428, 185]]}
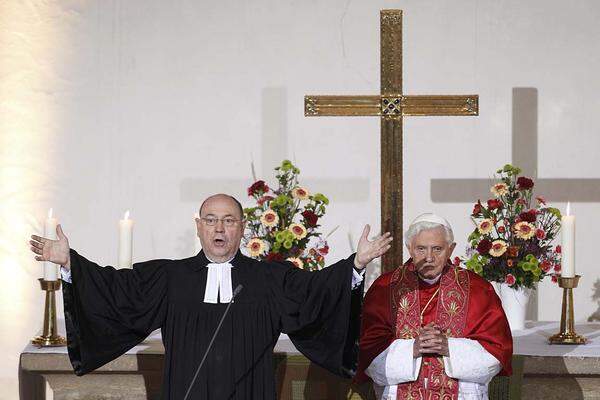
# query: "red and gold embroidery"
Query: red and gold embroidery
{"points": [[451, 316]]}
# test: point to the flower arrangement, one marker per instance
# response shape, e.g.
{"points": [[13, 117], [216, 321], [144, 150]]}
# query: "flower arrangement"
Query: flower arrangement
{"points": [[512, 240], [284, 223]]}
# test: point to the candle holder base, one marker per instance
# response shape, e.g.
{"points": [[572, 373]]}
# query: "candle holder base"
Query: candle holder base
{"points": [[49, 341], [49, 336], [567, 334], [567, 338]]}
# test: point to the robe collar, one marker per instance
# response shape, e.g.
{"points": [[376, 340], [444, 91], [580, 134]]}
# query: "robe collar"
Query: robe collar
{"points": [[428, 282], [201, 261]]}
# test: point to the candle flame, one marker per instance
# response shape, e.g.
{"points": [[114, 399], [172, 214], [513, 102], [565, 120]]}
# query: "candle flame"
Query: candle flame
{"points": [[50, 213], [126, 216], [568, 208]]}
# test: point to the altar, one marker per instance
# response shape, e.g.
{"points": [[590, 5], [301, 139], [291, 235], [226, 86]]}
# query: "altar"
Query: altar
{"points": [[541, 371]]}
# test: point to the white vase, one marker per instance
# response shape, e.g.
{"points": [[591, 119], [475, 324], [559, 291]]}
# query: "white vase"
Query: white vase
{"points": [[514, 302]]}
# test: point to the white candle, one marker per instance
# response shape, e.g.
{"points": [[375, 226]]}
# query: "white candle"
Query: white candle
{"points": [[568, 244], [50, 269], [125, 241], [197, 244]]}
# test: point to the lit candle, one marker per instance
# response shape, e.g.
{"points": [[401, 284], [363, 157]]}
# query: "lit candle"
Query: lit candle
{"points": [[568, 244], [197, 244], [125, 241], [50, 269]]}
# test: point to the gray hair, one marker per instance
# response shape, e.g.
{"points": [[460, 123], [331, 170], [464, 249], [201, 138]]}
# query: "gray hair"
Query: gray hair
{"points": [[421, 226]]}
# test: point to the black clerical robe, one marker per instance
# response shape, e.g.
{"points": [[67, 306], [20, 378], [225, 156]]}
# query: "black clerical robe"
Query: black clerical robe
{"points": [[109, 311]]}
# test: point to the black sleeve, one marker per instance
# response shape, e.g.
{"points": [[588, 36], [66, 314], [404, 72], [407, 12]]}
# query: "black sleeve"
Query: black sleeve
{"points": [[109, 311], [321, 313]]}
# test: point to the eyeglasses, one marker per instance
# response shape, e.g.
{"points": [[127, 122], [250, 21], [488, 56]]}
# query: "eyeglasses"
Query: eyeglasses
{"points": [[227, 221]]}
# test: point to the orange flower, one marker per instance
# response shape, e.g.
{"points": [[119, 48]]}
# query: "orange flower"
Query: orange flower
{"points": [[524, 230], [485, 226], [300, 193], [256, 247], [269, 218], [298, 230], [498, 248], [296, 261], [499, 189]]}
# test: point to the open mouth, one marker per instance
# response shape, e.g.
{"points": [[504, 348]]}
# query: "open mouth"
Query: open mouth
{"points": [[218, 242]]}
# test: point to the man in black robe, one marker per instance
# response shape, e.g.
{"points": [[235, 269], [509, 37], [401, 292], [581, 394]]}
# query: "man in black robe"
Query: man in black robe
{"points": [[108, 311]]}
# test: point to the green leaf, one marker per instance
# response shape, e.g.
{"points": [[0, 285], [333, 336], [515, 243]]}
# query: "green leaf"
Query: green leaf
{"points": [[555, 212]]}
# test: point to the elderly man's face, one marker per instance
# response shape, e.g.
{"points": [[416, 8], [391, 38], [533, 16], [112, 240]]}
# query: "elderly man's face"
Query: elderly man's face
{"points": [[430, 251], [221, 240]]}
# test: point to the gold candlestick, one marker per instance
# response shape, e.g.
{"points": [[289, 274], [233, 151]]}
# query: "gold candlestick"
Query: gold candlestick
{"points": [[567, 334], [49, 335]]}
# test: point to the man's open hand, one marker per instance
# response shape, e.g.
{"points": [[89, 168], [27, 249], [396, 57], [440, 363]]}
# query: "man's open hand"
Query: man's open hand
{"points": [[56, 251], [368, 250]]}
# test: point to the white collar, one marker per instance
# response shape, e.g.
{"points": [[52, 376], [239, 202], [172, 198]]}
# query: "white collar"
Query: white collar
{"points": [[218, 283], [214, 262], [432, 280]]}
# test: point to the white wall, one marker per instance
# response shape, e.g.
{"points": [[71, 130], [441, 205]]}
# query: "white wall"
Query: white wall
{"points": [[144, 105]]}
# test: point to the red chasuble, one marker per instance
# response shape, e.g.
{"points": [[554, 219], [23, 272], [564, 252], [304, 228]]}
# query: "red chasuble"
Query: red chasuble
{"points": [[461, 303]]}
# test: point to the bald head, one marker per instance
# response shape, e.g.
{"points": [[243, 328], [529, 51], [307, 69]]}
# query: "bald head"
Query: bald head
{"points": [[222, 197], [220, 227]]}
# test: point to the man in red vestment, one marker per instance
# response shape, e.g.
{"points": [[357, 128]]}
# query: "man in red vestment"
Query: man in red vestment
{"points": [[432, 330]]}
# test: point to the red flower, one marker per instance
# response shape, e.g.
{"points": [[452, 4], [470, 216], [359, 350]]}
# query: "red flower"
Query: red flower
{"points": [[524, 183], [310, 218], [494, 203], [540, 234], [521, 202], [528, 216], [264, 199], [477, 208], [558, 249], [484, 247], [541, 200], [557, 267], [554, 278], [501, 229], [258, 187], [510, 279], [456, 261], [274, 257], [324, 250], [545, 265]]}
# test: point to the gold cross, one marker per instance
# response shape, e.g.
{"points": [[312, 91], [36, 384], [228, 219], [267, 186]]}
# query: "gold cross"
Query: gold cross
{"points": [[391, 105]]}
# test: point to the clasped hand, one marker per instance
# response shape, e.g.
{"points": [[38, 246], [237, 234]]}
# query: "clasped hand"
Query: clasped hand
{"points": [[430, 342]]}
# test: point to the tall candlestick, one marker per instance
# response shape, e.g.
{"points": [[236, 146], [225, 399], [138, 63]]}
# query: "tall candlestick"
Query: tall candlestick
{"points": [[568, 244], [125, 241], [50, 269]]}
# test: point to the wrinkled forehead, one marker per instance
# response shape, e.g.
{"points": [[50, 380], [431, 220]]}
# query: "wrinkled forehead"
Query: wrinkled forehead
{"points": [[431, 237], [220, 206]]}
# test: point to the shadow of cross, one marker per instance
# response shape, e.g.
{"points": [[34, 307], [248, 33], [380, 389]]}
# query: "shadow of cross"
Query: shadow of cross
{"points": [[274, 145], [391, 106], [524, 156]]}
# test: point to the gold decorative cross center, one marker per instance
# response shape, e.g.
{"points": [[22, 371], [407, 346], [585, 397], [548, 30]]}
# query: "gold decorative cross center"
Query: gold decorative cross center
{"points": [[391, 106]]}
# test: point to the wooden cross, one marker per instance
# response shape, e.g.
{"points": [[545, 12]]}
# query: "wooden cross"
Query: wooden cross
{"points": [[391, 105]]}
